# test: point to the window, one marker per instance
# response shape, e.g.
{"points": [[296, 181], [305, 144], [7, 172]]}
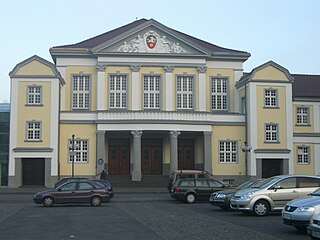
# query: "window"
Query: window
{"points": [[228, 152], [303, 155], [309, 182], [219, 94], [81, 151], [215, 184], [33, 131], [271, 133], [118, 91], [184, 92], [81, 92], [187, 183], [270, 98], [69, 186], [287, 183], [34, 95], [202, 183], [151, 92], [85, 186], [302, 116]]}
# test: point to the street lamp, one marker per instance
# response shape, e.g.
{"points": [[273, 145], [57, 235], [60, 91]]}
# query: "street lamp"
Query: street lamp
{"points": [[72, 148], [245, 148]]}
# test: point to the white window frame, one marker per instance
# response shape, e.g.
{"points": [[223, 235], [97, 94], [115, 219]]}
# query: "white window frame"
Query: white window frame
{"points": [[228, 152], [118, 95], [151, 92], [81, 151], [33, 131], [81, 88], [219, 94], [185, 92], [303, 117], [303, 155], [34, 95], [270, 98], [271, 133]]}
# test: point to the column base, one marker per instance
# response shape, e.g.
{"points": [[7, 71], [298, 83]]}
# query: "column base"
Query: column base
{"points": [[136, 176]]}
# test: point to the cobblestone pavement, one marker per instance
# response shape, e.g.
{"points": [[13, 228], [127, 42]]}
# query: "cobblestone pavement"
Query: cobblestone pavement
{"points": [[173, 222]]}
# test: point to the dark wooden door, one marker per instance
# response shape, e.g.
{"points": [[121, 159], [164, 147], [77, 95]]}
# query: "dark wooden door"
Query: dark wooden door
{"points": [[33, 171], [151, 156], [119, 157], [186, 154]]}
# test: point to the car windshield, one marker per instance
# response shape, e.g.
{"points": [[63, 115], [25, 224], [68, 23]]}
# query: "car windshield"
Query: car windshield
{"points": [[316, 192], [247, 184], [265, 182]]}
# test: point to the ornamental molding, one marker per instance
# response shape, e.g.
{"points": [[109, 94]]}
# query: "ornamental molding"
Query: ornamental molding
{"points": [[135, 68], [168, 69], [202, 69], [174, 134], [101, 67], [136, 133]]}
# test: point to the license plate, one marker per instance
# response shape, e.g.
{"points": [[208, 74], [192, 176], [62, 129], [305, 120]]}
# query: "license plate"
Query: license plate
{"points": [[286, 216], [315, 234]]}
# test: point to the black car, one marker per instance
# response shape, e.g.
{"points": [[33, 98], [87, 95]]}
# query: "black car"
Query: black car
{"points": [[222, 199], [82, 191], [106, 184], [192, 189]]}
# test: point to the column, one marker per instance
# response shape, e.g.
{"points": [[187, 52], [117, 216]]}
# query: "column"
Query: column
{"points": [[101, 82], [168, 88], [174, 150], [208, 151], [135, 87], [101, 138], [136, 171], [202, 89]]}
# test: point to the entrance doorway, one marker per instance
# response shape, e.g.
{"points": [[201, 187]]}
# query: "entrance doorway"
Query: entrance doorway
{"points": [[186, 154], [151, 156], [33, 171], [272, 167], [119, 157]]}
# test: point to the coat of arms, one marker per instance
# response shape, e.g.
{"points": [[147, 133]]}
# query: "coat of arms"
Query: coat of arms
{"points": [[151, 41]]}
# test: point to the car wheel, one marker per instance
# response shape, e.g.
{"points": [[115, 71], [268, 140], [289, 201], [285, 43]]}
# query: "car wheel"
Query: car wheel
{"points": [[261, 208], [95, 201], [48, 201], [190, 198]]}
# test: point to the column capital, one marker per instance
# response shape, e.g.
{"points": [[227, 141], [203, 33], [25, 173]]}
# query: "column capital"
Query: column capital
{"points": [[202, 69], [174, 134], [168, 68], [136, 133], [101, 67], [135, 68]]}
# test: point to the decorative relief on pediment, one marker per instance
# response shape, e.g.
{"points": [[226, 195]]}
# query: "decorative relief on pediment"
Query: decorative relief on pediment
{"points": [[151, 42]]}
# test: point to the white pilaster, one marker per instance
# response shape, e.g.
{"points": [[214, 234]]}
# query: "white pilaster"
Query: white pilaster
{"points": [[252, 128], [62, 71], [316, 117], [202, 89], [289, 125], [101, 87], [13, 125], [238, 73], [168, 88], [135, 87]]}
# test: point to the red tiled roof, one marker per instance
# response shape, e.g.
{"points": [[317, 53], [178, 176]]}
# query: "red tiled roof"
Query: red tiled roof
{"points": [[305, 85]]}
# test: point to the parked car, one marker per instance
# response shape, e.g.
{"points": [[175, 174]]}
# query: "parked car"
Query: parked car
{"points": [[314, 226], [222, 198], [106, 184], [82, 191], [273, 193], [182, 174], [68, 179], [193, 189], [298, 212]]}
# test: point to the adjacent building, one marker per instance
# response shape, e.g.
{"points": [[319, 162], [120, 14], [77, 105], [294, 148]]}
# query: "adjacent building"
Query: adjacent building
{"points": [[145, 99], [4, 142]]}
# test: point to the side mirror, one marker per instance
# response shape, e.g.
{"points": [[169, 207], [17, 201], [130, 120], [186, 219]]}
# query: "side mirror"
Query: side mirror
{"points": [[276, 187], [59, 189]]}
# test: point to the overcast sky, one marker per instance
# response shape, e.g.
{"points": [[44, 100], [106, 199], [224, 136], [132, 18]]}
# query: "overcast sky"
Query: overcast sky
{"points": [[285, 31]]}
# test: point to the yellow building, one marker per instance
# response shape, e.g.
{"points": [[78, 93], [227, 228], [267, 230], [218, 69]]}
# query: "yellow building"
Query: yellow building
{"points": [[145, 99]]}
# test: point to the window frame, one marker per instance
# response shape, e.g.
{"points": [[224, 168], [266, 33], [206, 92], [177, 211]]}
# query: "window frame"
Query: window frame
{"points": [[151, 91], [227, 93], [118, 91], [27, 139], [28, 103], [301, 115], [230, 152], [303, 155], [81, 151], [271, 132], [89, 76], [188, 92], [270, 98]]}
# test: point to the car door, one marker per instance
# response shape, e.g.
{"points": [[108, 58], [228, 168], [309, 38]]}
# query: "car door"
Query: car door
{"points": [[284, 191], [202, 189], [65, 193]]}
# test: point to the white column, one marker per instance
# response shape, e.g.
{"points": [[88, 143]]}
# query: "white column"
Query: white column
{"points": [[289, 125], [252, 127], [136, 168], [135, 96], [238, 73], [62, 71], [202, 89], [101, 85], [174, 150], [168, 88]]}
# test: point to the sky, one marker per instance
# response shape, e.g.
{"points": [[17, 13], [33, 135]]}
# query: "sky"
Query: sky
{"points": [[285, 31]]}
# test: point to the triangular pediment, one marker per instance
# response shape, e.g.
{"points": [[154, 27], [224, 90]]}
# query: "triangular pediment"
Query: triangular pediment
{"points": [[150, 38]]}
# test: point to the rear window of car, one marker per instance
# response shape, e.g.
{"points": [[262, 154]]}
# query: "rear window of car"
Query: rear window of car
{"points": [[305, 182], [215, 184], [187, 183]]}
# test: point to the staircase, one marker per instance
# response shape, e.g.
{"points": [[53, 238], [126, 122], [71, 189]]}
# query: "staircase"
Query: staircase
{"points": [[148, 181]]}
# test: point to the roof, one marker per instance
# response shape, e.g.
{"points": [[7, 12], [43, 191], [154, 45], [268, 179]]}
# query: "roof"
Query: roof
{"points": [[305, 85], [4, 107], [102, 38]]}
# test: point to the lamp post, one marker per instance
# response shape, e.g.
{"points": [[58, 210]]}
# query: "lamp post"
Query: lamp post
{"points": [[73, 147], [245, 148]]}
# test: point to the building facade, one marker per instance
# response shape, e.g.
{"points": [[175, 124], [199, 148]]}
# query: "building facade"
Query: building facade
{"points": [[145, 99], [4, 142]]}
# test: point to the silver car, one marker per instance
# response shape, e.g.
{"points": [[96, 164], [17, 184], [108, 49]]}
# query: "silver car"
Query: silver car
{"points": [[273, 193], [298, 212], [314, 227]]}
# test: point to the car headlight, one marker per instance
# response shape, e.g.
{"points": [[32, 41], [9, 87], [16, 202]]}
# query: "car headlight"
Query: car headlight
{"points": [[305, 209], [246, 196], [221, 195]]}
